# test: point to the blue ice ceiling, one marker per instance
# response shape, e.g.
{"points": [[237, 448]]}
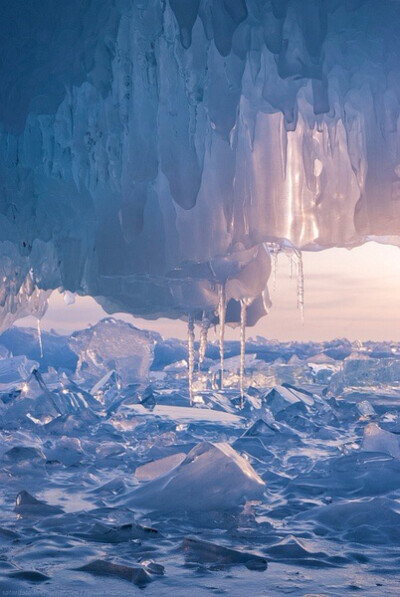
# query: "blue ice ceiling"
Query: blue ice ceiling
{"points": [[153, 152]]}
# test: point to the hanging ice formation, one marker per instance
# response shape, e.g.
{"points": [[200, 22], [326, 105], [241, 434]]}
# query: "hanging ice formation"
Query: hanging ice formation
{"points": [[149, 148], [274, 265], [205, 325], [243, 310], [300, 285], [221, 319], [191, 339], [39, 332]]}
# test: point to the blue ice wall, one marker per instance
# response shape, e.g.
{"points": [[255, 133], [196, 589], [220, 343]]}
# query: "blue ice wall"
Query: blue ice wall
{"points": [[150, 148]]}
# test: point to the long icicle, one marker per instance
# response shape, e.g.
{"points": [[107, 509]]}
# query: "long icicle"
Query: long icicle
{"points": [[190, 356], [243, 316], [274, 264], [205, 324], [221, 316], [39, 333], [300, 285]]}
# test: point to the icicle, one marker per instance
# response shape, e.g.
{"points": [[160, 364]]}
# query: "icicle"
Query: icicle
{"points": [[274, 264], [221, 315], [190, 356], [300, 285], [273, 250], [39, 333], [243, 314], [265, 300], [205, 324]]}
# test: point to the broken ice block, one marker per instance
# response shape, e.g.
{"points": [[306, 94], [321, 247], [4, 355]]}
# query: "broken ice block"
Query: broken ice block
{"points": [[366, 409], [135, 574], [197, 550], [211, 477], [27, 505], [104, 533], [113, 345], [263, 427], [362, 370], [15, 370], [156, 468], [67, 451], [377, 440], [282, 397]]}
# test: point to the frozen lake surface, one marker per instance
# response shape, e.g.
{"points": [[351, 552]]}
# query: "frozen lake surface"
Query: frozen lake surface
{"points": [[110, 480]]}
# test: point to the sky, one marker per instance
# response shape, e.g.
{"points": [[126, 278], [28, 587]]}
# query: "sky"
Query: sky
{"points": [[348, 294]]}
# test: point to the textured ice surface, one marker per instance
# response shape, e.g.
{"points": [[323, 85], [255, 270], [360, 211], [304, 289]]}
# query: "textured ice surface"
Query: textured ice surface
{"points": [[211, 477], [15, 370], [282, 397], [27, 505], [113, 345], [217, 497], [134, 574], [200, 551], [378, 440], [159, 467], [360, 369], [151, 152]]}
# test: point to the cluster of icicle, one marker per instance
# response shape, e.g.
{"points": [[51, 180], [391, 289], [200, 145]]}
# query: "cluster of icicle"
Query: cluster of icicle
{"points": [[20, 297], [273, 249], [204, 327]]}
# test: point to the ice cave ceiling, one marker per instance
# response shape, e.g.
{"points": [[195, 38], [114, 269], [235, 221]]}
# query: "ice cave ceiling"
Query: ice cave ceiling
{"points": [[153, 152]]}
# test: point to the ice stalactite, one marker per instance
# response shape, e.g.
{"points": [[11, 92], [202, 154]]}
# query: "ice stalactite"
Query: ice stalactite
{"points": [[39, 333], [205, 325], [243, 314], [191, 338], [296, 268], [179, 134], [300, 284], [291, 261], [221, 316], [274, 263]]}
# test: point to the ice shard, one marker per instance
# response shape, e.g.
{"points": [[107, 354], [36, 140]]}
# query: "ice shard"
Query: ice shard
{"points": [[149, 149], [210, 477]]}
